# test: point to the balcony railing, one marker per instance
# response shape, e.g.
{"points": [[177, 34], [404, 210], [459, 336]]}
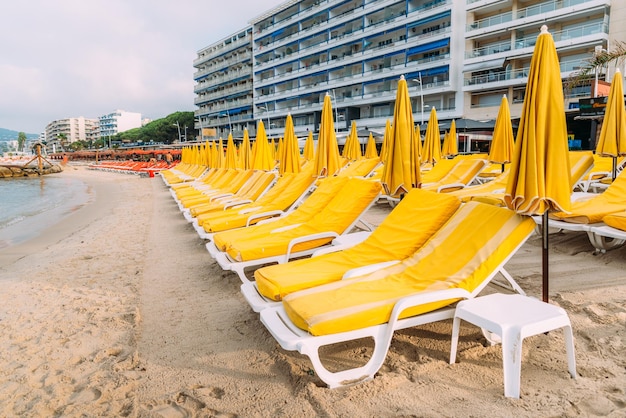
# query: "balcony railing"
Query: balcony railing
{"points": [[529, 41], [520, 73], [533, 10]]}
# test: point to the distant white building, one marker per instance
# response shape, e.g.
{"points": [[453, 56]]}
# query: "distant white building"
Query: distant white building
{"points": [[71, 129], [118, 121]]}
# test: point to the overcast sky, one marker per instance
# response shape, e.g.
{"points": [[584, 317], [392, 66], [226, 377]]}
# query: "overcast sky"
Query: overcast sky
{"points": [[70, 58]]}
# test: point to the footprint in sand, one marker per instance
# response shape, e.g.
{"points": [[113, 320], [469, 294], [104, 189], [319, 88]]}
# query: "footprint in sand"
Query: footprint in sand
{"points": [[85, 395], [170, 410]]}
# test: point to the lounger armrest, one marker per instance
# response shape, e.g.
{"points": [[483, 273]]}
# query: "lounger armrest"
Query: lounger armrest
{"points": [[269, 214], [597, 175], [451, 186], [257, 302], [423, 298], [343, 243], [361, 271], [236, 203], [306, 238], [220, 196]]}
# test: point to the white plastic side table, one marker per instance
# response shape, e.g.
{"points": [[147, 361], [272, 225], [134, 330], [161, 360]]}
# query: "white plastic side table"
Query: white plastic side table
{"points": [[513, 318]]}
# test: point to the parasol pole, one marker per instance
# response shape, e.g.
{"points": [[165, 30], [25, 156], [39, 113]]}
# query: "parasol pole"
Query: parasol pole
{"points": [[544, 242], [614, 172]]}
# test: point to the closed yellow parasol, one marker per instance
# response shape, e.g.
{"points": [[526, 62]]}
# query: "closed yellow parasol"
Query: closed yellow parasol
{"points": [[612, 140], [401, 172], [327, 154], [539, 174]]}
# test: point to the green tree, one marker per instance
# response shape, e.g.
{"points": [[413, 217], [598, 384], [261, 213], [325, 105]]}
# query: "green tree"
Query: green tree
{"points": [[21, 141], [62, 140], [162, 130]]}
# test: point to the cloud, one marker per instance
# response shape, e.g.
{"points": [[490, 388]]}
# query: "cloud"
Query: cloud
{"points": [[70, 58]]}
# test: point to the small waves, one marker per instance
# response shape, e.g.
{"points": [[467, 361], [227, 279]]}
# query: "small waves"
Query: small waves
{"points": [[29, 205]]}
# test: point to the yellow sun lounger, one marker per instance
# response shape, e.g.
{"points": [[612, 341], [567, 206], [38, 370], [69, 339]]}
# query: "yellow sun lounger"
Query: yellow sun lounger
{"points": [[461, 175], [337, 217], [590, 211], [496, 185], [601, 171], [457, 263], [180, 174], [256, 185], [364, 167], [284, 196], [229, 182], [416, 218], [324, 192], [589, 215], [580, 164]]}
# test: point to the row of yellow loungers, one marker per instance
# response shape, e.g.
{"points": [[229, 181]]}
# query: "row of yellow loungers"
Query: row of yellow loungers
{"points": [[182, 173]]}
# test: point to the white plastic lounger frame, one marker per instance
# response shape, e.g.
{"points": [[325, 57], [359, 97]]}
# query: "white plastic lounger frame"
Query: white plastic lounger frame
{"points": [[605, 237], [602, 243], [292, 338]]}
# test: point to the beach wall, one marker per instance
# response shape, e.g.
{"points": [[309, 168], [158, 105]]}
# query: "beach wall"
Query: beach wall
{"points": [[30, 171]]}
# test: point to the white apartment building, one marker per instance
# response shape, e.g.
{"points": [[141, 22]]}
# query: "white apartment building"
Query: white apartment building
{"points": [[118, 121], [499, 41], [73, 129], [458, 56], [224, 85]]}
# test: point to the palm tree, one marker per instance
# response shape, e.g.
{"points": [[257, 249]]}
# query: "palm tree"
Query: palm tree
{"points": [[62, 140], [599, 60]]}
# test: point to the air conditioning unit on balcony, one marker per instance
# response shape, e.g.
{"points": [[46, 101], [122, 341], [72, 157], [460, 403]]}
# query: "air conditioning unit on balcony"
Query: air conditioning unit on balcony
{"points": [[430, 85]]}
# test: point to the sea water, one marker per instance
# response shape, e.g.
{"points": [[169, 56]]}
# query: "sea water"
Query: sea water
{"points": [[28, 205]]}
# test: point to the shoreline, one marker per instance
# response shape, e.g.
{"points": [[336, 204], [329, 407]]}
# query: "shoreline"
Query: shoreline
{"points": [[119, 311]]}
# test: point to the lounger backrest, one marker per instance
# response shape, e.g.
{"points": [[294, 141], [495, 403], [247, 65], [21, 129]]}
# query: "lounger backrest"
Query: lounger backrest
{"points": [[346, 205], [327, 189], [218, 182], [616, 192], [256, 185], [411, 223], [464, 253], [439, 170], [277, 189], [580, 164], [360, 168], [464, 171]]}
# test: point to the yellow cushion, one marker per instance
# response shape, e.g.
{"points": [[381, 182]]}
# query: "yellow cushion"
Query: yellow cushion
{"points": [[498, 183], [616, 220], [612, 200], [463, 253], [336, 215], [580, 163], [462, 172], [416, 218]]}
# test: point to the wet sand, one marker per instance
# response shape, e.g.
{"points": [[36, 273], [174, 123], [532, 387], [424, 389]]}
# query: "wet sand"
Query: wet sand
{"points": [[119, 311]]}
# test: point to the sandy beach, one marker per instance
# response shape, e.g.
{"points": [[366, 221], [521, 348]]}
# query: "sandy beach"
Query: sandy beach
{"points": [[118, 310]]}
